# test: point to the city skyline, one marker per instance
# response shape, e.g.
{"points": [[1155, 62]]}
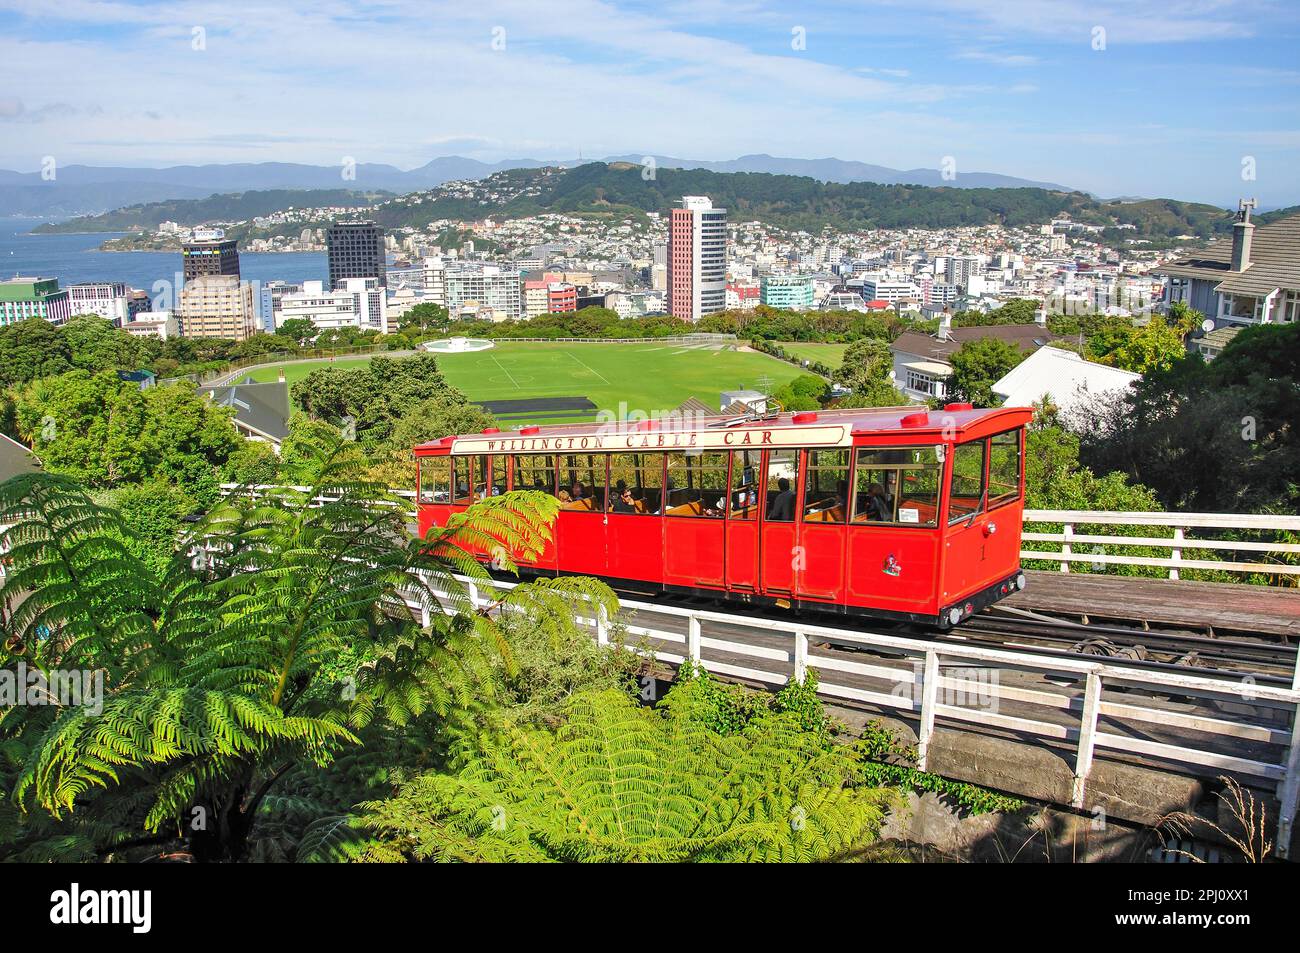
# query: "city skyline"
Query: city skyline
{"points": [[1146, 99]]}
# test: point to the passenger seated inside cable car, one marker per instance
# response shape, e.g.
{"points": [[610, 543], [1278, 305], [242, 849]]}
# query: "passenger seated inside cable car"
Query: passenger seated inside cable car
{"points": [[826, 485], [897, 486]]}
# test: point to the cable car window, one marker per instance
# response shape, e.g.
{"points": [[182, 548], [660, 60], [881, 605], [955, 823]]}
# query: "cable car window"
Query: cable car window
{"points": [[462, 490], [636, 483], [826, 486], [435, 480], [697, 484], [535, 473], [782, 480], [1004, 468], [480, 476], [582, 482], [897, 486], [967, 493], [744, 485], [500, 467]]}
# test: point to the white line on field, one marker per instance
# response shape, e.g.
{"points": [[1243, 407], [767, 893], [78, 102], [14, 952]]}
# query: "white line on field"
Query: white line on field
{"points": [[508, 374], [592, 369]]}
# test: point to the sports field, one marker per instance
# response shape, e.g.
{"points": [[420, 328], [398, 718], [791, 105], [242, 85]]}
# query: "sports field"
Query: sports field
{"points": [[832, 355], [647, 378]]}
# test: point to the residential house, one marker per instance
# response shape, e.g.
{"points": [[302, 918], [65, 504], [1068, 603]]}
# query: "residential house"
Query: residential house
{"points": [[921, 361], [1251, 278], [261, 410], [1072, 383]]}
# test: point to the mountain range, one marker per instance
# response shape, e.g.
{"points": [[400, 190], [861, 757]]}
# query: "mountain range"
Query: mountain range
{"points": [[89, 190]]}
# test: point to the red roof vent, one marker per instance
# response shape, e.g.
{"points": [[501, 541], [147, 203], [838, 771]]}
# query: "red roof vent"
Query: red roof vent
{"points": [[958, 406], [530, 430], [915, 420], [491, 430], [807, 417]]}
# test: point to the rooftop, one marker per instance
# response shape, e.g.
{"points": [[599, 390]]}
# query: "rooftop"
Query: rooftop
{"points": [[828, 428], [1027, 337], [1274, 261]]}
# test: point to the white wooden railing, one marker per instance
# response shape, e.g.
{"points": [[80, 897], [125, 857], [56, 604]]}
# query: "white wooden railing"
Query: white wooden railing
{"points": [[937, 684], [1072, 547]]}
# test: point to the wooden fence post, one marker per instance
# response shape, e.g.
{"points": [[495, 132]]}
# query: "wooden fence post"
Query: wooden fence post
{"points": [[1087, 732], [929, 696]]}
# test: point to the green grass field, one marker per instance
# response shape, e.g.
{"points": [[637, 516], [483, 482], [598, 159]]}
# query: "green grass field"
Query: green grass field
{"points": [[832, 355], [649, 378]]}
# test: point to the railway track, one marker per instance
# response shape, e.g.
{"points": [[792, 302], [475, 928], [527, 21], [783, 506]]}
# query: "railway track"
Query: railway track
{"points": [[1263, 655], [1264, 658]]}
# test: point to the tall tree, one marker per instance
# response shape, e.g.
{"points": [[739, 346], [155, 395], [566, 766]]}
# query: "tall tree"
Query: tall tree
{"points": [[978, 365]]}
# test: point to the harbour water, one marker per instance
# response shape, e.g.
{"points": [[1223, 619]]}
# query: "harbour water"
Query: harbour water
{"points": [[77, 258]]}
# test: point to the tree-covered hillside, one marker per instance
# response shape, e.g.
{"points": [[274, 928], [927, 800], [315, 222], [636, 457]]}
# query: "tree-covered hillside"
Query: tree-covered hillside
{"points": [[227, 207], [789, 201]]}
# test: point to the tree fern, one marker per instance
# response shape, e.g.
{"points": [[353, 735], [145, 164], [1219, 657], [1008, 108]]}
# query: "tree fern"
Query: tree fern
{"points": [[282, 628], [620, 783]]}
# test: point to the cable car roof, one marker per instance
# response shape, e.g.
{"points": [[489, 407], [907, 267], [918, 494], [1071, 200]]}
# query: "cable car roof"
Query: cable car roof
{"points": [[822, 428]]}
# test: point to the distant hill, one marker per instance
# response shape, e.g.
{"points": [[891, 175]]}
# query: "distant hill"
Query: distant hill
{"points": [[1273, 216], [789, 201], [842, 171], [227, 207], [621, 189], [90, 190]]}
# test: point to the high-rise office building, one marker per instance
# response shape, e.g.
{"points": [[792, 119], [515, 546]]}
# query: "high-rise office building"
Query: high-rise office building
{"points": [[209, 253], [355, 250], [218, 306], [697, 258]]}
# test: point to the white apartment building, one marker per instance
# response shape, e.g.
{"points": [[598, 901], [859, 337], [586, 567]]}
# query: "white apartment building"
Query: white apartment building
{"points": [[360, 303], [885, 288], [108, 299], [958, 269], [325, 309], [495, 293], [153, 324]]}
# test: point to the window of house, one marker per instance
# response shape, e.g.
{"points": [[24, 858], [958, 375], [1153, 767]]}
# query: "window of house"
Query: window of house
{"points": [[1290, 307]]}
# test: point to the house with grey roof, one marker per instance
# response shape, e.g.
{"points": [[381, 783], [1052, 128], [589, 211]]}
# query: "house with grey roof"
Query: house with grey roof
{"points": [[15, 459], [261, 410], [1251, 278], [921, 361]]}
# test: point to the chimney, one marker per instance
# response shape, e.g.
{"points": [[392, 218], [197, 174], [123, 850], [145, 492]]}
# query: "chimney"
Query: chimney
{"points": [[945, 325], [1242, 230]]}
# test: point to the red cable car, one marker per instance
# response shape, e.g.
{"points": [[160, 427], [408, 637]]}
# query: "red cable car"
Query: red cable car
{"points": [[900, 512]]}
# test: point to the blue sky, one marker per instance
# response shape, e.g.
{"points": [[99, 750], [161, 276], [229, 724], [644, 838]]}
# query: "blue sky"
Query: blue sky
{"points": [[1120, 98]]}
